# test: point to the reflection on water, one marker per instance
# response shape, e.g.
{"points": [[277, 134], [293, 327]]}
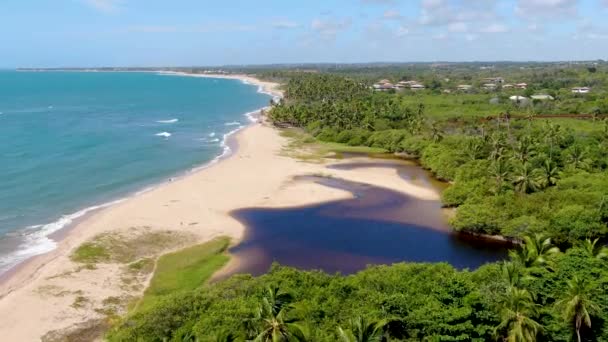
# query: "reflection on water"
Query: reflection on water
{"points": [[378, 226]]}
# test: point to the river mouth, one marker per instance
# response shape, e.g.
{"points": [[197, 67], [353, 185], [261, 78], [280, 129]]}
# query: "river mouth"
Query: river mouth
{"points": [[376, 226]]}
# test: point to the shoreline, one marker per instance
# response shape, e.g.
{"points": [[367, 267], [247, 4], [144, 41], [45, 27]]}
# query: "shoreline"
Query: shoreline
{"points": [[71, 220], [194, 208]]}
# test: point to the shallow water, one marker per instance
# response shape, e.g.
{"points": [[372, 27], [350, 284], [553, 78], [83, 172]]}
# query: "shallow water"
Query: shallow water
{"points": [[378, 226], [70, 141]]}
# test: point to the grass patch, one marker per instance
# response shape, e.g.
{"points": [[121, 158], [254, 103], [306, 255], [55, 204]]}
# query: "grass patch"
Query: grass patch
{"points": [[126, 246], [91, 253], [305, 147], [185, 270]]}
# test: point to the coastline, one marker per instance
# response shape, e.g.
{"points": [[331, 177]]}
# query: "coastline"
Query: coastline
{"points": [[52, 233], [40, 295]]}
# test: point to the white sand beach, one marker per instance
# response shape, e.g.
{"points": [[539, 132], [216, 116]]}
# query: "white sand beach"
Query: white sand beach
{"points": [[51, 292]]}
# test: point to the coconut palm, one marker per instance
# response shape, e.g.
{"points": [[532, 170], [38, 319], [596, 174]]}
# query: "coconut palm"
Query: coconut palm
{"points": [[535, 252], [549, 173], [552, 136], [577, 158], [273, 325], [517, 313], [436, 133], [362, 330], [474, 148], [526, 179], [497, 142], [594, 250], [500, 171], [577, 305], [511, 273], [524, 149]]}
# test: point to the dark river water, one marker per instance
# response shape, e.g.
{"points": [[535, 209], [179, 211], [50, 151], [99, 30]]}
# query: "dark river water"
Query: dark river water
{"points": [[377, 226]]}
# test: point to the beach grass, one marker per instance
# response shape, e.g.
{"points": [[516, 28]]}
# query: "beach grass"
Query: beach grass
{"points": [[185, 270], [126, 246], [303, 146]]}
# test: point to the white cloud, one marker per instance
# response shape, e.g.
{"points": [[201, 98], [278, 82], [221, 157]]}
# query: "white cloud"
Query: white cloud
{"points": [[546, 8], [440, 36], [458, 27], [285, 24], [211, 27], [494, 28], [329, 27], [106, 6], [402, 31], [392, 14]]}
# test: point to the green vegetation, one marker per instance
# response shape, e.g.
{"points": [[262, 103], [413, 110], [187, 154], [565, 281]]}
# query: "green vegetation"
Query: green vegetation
{"points": [[510, 177], [538, 296], [185, 270], [126, 247], [540, 180]]}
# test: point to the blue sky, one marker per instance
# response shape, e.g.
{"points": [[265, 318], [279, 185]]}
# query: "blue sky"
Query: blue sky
{"points": [[44, 33]]}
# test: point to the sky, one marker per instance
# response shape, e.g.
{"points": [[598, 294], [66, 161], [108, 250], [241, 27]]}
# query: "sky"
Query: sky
{"points": [[93, 33]]}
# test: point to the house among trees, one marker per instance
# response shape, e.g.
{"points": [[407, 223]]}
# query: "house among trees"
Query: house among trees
{"points": [[490, 86], [521, 86], [508, 86], [417, 87], [495, 80], [542, 97], [464, 87], [581, 90]]}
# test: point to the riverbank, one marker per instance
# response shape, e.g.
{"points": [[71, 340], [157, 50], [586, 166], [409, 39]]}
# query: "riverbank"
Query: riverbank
{"points": [[53, 292]]}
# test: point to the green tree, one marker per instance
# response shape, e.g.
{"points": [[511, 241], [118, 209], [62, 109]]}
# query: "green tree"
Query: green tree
{"points": [[518, 312], [271, 318], [535, 251], [526, 179], [594, 250], [362, 330], [549, 173], [577, 305], [500, 172]]}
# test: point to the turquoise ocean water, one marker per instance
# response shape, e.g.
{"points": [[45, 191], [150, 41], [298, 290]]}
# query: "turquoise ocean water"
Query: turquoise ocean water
{"points": [[73, 141]]}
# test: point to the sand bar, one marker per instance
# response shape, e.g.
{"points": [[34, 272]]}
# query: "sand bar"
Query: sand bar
{"points": [[41, 294]]}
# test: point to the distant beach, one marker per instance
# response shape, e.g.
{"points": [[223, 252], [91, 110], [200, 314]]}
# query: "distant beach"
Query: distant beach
{"points": [[195, 208]]}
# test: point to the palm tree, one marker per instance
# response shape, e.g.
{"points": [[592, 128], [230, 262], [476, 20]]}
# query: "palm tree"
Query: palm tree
{"points": [[497, 141], [577, 157], [526, 179], [535, 252], [524, 149], [518, 311], [436, 133], [474, 148], [552, 136], [576, 305], [594, 250], [271, 317], [511, 273], [549, 173], [500, 171], [363, 330]]}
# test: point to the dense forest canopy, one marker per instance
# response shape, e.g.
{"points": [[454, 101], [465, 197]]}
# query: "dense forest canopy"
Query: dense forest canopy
{"points": [[513, 172]]}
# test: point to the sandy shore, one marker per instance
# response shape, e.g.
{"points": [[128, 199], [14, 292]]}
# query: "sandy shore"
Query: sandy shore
{"points": [[51, 292]]}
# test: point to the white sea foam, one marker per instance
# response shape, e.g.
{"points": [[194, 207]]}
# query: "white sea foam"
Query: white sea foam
{"points": [[163, 134], [212, 134], [168, 121], [36, 239]]}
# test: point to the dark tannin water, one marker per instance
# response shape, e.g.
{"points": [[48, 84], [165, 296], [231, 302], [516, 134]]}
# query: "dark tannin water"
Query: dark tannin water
{"points": [[378, 226]]}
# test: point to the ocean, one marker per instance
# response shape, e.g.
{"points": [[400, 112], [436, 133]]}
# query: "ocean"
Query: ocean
{"points": [[72, 142]]}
